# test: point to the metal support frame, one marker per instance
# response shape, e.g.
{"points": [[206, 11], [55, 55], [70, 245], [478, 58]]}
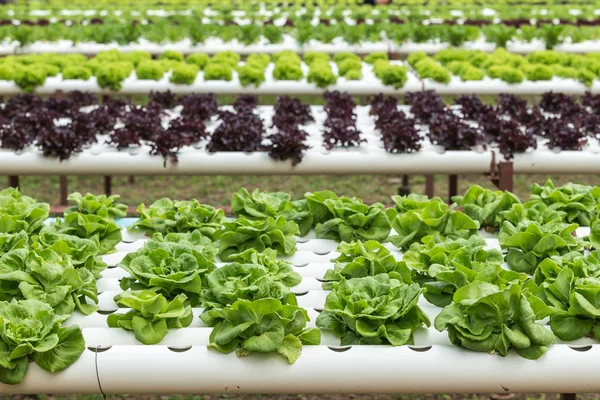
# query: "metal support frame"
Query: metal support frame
{"points": [[108, 185], [429, 185], [404, 190], [13, 181], [452, 187], [502, 174], [64, 190], [568, 396]]}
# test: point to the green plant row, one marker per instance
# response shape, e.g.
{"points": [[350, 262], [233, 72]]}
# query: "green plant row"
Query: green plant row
{"points": [[48, 271], [470, 9], [164, 30], [472, 65], [111, 68]]}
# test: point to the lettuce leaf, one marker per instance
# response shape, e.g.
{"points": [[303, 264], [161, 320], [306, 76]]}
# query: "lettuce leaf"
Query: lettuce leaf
{"points": [[168, 216], [101, 205], [21, 213], [359, 259], [579, 202], [373, 310], [263, 326], [236, 281], [352, 220], [279, 270], [487, 318], [151, 315], [242, 234], [47, 276], [261, 205], [528, 243], [442, 267], [436, 219], [31, 330], [89, 226], [171, 266], [484, 205]]}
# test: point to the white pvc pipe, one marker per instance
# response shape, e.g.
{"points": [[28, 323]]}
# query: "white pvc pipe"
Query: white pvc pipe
{"points": [[79, 378], [343, 162], [489, 86], [361, 369], [216, 45], [564, 162]]}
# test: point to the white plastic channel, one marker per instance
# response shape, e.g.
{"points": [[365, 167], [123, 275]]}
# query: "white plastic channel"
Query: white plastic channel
{"points": [[215, 45]]}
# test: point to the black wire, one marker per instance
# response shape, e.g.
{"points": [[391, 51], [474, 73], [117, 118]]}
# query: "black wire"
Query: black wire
{"points": [[98, 373]]}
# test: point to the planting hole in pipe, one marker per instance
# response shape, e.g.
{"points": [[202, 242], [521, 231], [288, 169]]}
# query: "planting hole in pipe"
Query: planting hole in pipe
{"points": [[420, 349], [301, 239], [304, 293], [319, 310], [300, 265], [106, 312], [321, 252], [111, 266], [322, 280], [99, 349], [179, 349], [339, 349], [583, 348]]}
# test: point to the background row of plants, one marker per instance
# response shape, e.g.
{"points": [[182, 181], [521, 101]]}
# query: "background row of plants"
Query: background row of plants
{"points": [[493, 300], [334, 10], [475, 65], [111, 68], [397, 30], [65, 126]]}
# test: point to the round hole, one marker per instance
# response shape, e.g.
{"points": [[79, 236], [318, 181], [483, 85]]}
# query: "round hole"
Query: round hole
{"points": [[319, 310], [322, 252], [301, 240], [322, 280], [179, 349], [111, 266], [582, 348], [300, 265], [106, 312], [99, 349], [420, 349], [339, 349], [301, 293]]}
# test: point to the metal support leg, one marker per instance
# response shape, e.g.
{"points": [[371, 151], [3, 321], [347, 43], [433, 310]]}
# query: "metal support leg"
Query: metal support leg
{"points": [[452, 186], [404, 190], [13, 181], [107, 185], [429, 189], [568, 396], [64, 190], [506, 176], [131, 179]]}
